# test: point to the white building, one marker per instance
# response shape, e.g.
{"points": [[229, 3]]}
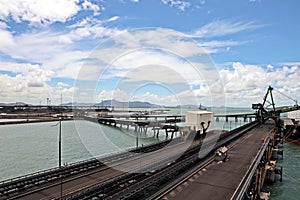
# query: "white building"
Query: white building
{"points": [[195, 119]]}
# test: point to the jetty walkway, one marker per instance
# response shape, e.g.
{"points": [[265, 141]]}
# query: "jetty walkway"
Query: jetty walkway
{"points": [[232, 179]]}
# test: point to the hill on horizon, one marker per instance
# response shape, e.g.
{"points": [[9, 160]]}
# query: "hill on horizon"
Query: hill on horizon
{"points": [[119, 104]]}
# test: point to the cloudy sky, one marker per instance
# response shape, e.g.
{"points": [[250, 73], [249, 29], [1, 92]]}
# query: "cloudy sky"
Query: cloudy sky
{"points": [[166, 52]]}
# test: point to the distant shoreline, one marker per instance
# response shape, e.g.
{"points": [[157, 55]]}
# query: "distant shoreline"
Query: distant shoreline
{"points": [[26, 121]]}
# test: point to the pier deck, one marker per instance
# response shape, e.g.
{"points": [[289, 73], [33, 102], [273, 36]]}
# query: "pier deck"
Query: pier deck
{"points": [[142, 123], [219, 181]]}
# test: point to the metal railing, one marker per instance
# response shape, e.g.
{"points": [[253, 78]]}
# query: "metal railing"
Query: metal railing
{"points": [[246, 181]]}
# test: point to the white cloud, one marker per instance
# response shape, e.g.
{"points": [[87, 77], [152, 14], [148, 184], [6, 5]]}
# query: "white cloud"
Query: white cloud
{"points": [[90, 28], [215, 46], [290, 64], [150, 57], [28, 83], [151, 65], [175, 42], [89, 31], [224, 27], [34, 46], [44, 12], [61, 85], [38, 12], [114, 18], [63, 92], [216, 43], [87, 5], [164, 39], [179, 4], [117, 94], [58, 51], [60, 56], [168, 100], [30, 70], [3, 25], [247, 84], [46, 49], [6, 39]]}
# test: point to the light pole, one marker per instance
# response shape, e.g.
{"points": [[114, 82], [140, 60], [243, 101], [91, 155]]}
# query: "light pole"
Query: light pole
{"points": [[59, 135], [137, 140], [59, 145], [137, 132]]}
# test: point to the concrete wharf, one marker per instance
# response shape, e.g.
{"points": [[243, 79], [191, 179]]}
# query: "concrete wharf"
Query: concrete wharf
{"points": [[228, 180]]}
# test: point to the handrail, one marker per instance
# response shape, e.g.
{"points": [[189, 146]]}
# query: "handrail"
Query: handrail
{"points": [[244, 184], [78, 163]]}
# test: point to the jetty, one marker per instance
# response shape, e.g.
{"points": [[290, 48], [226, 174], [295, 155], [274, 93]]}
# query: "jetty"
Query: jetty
{"points": [[142, 123]]}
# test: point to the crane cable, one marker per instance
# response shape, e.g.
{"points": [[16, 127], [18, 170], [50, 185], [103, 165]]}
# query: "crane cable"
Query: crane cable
{"points": [[296, 101]]}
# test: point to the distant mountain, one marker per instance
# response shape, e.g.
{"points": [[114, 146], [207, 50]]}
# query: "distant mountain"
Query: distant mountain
{"points": [[13, 104], [188, 106], [119, 104], [77, 104], [131, 104]]}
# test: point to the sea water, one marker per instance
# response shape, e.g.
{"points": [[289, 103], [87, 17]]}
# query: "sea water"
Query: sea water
{"points": [[27, 148], [289, 188]]}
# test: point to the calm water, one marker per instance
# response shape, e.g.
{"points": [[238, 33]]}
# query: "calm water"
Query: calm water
{"points": [[289, 188], [27, 148]]}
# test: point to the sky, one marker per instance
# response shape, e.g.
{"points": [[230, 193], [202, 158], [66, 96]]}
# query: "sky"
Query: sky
{"points": [[167, 52]]}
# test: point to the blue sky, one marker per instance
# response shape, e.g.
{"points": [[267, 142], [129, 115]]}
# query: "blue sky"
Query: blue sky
{"points": [[167, 52]]}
